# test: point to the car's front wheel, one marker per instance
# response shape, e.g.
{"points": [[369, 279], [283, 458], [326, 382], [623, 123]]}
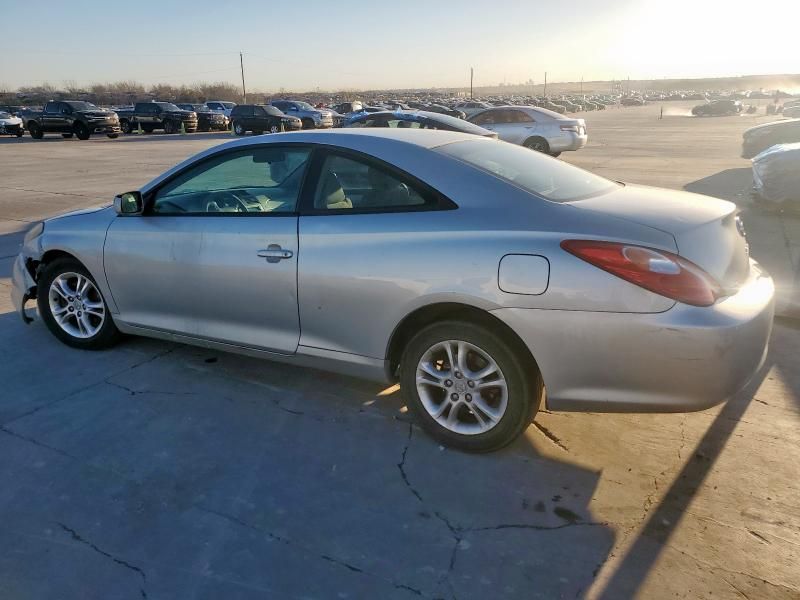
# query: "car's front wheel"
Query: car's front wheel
{"points": [[239, 129], [467, 387], [73, 308]]}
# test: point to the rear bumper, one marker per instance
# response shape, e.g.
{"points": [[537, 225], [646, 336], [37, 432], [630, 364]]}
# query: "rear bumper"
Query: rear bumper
{"points": [[567, 141], [684, 359]]}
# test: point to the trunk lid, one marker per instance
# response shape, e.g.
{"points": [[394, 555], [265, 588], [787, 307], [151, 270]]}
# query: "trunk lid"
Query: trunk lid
{"points": [[707, 230]]}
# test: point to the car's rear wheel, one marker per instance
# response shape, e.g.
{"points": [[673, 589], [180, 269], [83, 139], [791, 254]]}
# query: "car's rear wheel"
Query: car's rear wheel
{"points": [[308, 124], [274, 129], [125, 126], [73, 308], [239, 129], [169, 127], [555, 154], [539, 144], [467, 387], [35, 131]]}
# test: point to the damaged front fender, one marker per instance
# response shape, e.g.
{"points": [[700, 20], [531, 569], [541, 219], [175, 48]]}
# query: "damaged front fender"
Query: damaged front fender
{"points": [[23, 288]]}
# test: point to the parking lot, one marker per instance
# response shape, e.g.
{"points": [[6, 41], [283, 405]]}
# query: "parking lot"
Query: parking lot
{"points": [[161, 471]]}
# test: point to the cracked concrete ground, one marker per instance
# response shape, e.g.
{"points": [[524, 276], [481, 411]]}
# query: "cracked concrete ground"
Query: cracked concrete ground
{"points": [[163, 471]]}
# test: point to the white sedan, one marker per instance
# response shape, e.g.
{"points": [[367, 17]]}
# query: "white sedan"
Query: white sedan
{"points": [[535, 128]]}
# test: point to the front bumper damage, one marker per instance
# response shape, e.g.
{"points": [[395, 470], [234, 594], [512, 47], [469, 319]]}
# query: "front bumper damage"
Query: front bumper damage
{"points": [[23, 288]]}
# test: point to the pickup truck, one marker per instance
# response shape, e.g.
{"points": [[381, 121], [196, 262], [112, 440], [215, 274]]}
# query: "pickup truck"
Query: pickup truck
{"points": [[72, 117], [157, 115]]}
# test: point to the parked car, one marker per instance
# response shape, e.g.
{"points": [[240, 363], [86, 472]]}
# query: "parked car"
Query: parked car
{"points": [[791, 111], [718, 108], [470, 270], [10, 125], [12, 109], [221, 107], [757, 139], [632, 101], [72, 117], [535, 128], [472, 107], [207, 119], [157, 115], [418, 120], [312, 118], [259, 118], [345, 108], [776, 175], [444, 110]]}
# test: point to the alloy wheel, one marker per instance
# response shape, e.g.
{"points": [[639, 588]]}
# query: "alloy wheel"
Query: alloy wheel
{"points": [[76, 305], [461, 387]]}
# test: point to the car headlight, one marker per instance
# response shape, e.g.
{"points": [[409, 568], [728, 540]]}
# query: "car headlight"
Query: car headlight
{"points": [[34, 232]]}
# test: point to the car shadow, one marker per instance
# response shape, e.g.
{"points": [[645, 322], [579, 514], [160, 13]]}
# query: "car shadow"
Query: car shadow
{"points": [[665, 518], [217, 456], [730, 184]]}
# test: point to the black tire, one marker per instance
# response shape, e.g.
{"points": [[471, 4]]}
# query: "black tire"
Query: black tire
{"points": [[524, 385], [554, 154], [539, 144], [82, 132], [106, 336], [239, 129], [308, 123], [35, 131], [125, 125], [67, 136], [112, 136], [169, 127], [19, 133]]}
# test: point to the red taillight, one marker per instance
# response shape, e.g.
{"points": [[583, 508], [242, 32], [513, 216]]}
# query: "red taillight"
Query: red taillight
{"points": [[660, 272]]}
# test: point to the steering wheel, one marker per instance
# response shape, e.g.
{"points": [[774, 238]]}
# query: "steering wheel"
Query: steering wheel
{"points": [[241, 206]]}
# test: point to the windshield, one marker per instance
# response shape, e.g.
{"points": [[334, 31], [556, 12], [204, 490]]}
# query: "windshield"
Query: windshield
{"points": [[228, 104], [304, 106], [272, 110], [168, 106], [549, 178], [4, 115], [82, 106]]}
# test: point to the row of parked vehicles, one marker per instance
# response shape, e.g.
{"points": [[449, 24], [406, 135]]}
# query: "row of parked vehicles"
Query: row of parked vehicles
{"points": [[531, 126]]}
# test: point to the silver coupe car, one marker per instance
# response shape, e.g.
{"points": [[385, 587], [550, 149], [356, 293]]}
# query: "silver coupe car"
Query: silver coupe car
{"points": [[474, 272]]}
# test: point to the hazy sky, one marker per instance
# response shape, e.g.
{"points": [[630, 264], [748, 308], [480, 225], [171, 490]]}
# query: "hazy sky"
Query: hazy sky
{"points": [[409, 43]]}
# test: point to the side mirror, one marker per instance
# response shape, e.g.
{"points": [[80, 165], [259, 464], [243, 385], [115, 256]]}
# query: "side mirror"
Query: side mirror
{"points": [[129, 203]]}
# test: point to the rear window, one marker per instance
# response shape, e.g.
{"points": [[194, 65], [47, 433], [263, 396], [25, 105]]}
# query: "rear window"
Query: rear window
{"points": [[532, 171]]}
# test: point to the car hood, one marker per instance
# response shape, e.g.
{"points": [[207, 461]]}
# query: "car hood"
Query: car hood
{"points": [[82, 211], [765, 127], [11, 121]]}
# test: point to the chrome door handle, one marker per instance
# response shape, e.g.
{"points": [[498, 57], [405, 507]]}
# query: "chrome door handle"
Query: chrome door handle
{"points": [[274, 253]]}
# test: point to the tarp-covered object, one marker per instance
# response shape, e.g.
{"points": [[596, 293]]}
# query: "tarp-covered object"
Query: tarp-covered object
{"points": [[776, 174]]}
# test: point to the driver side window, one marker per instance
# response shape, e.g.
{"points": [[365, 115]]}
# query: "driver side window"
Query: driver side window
{"points": [[256, 180]]}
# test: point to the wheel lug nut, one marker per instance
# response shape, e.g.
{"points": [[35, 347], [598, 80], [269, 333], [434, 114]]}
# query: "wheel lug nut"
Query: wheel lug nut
{"points": [[454, 397], [471, 383], [79, 313], [458, 375], [70, 309], [468, 397], [448, 383], [70, 298]]}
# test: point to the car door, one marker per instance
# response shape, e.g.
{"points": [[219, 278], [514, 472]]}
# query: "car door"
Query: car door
{"points": [[214, 256], [361, 233], [52, 118], [506, 126]]}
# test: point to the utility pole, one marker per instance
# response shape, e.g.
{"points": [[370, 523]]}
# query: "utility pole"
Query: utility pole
{"points": [[471, 77], [244, 91], [545, 85]]}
